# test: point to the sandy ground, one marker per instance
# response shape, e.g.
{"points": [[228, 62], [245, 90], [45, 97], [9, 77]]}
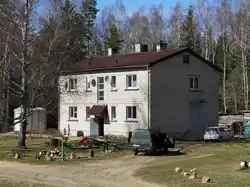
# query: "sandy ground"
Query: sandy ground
{"points": [[108, 173]]}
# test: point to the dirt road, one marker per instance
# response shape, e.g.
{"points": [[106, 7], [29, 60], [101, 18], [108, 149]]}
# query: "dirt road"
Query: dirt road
{"points": [[108, 173]]}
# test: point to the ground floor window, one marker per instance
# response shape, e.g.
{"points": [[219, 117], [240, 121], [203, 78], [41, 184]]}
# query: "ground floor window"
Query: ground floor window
{"points": [[72, 112], [131, 112]]}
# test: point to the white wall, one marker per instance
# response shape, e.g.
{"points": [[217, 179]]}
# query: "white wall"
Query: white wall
{"points": [[119, 98]]}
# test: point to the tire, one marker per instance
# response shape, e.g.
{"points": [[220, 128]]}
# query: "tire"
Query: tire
{"points": [[135, 152]]}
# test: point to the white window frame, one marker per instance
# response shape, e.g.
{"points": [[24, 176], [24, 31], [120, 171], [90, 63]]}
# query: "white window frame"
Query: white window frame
{"points": [[113, 112], [87, 109], [72, 84], [73, 115], [131, 117], [133, 79], [195, 85], [88, 84], [113, 82], [100, 98]]}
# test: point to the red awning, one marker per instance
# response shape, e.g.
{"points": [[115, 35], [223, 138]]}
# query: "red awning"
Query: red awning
{"points": [[97, 110]]}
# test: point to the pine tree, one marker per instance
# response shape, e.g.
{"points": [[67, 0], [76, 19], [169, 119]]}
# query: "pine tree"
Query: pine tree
{"points": [[113, 39], [89, 12], [190, 36]]}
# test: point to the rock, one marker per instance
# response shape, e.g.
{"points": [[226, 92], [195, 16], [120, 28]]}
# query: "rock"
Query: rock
{"points": [[73, 156], [91, 153], [17, 156], [48, 158], [193, 176], [178, 169], [193, 170], [185, 173], [205, 179]]}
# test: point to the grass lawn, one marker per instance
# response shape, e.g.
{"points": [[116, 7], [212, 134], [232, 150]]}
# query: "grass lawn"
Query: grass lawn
{"points": [[36, 144], [222, 167], [6, 183]]}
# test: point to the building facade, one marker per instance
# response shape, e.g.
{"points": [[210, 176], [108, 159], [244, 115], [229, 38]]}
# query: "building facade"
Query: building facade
{"points": [[175, 91]]}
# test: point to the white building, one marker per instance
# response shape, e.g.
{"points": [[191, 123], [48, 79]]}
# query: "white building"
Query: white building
{"points": [[173, 90]]}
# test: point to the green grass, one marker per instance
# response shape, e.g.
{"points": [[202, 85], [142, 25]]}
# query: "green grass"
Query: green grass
{"points": [[36, 144], [222, 168], [6, 183]]}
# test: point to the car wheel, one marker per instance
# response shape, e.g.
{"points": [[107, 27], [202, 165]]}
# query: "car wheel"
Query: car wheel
{"points": [[135, 152], [220, 139]]}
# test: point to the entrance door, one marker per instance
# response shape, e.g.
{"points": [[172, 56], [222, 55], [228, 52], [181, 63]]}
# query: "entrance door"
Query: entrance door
{"points": [[196, 130], [101, 127]]}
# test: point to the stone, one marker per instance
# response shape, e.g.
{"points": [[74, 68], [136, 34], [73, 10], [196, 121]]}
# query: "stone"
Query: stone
{"points": [[178, 169], [193, 176], [17, 156], [205, 179], [48, 158], [73, 156], [185, 173], [193, 170], [91, 153]]}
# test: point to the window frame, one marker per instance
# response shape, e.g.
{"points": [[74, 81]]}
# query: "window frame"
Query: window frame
{"points": [[133, 79], [74, 111], [100, 90], [87, 115], [132, 110], [194, 85], [113, 83], [113, 113], [73, 84]]}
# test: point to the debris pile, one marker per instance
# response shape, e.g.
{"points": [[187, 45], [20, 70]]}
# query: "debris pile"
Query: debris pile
{"points": [[53, 154], [192, 174]]}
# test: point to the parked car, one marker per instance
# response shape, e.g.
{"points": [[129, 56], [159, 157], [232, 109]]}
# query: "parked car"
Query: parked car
{"points": [[150, 141], [217, 134]]}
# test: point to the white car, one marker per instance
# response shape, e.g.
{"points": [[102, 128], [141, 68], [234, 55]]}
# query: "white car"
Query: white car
{"points": [[217, 134]]}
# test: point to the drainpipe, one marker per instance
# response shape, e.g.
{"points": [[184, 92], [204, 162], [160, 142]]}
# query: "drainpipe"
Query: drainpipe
{"points": [[149, 94]]}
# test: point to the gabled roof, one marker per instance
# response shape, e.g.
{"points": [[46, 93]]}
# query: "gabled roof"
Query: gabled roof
{"points": [[131, 60]]}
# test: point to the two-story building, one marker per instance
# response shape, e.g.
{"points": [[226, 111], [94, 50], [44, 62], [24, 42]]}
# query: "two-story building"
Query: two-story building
{"points": [[174, 90]]}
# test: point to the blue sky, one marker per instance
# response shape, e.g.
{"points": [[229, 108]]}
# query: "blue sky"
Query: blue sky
{"points": [[134, 5], [131, 5]]}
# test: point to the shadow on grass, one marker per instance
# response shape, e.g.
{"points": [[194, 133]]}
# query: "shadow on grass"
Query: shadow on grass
{"points": [[169, 153]]}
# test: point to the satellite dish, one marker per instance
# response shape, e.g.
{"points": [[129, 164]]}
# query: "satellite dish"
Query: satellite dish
{"points": [[93, 82], [107, 78]]}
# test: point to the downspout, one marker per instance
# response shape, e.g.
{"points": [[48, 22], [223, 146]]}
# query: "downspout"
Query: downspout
{"points": [[149, 95]]}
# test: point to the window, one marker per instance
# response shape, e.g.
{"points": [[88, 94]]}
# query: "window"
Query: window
{"points": [[72, 84], [185, 59], [113, 82], [87, 84], [87, 112], [194, 83], [73, 112], [100, 88], [131, 81], [113, 112], [131, 112]]}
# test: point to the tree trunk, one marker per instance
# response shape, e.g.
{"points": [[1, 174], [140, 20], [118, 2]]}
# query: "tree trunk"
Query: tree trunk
{"points": [[224, 81], [25, 97]]}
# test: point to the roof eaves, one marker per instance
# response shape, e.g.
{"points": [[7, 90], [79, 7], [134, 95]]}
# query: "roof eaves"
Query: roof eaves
{"points": [[103, 69]]}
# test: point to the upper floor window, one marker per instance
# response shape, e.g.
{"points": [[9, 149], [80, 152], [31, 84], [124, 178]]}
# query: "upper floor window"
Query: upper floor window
{"points": [[72, 84], [186, 59], [194, 83], [73, 112], [131, 81], [100, 88], [87, 83], [113, 82]]}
